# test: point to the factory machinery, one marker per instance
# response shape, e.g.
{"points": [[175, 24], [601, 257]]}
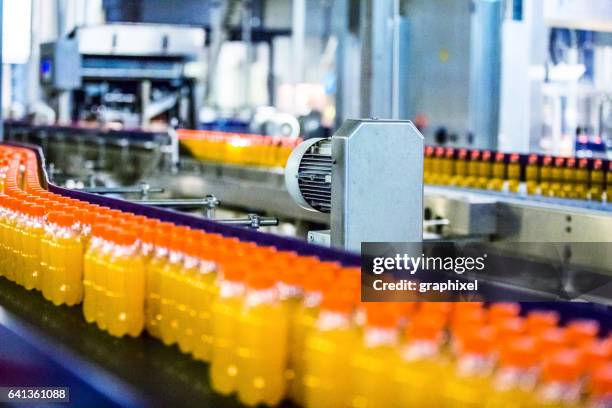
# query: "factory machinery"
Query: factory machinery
{"points": [[88, 325], [131, 352]]}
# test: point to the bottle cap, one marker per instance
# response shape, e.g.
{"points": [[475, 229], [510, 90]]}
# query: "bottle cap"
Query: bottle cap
{"points": [[502, 310], [338, 300], [563, 366], [552, 340], [382, 314], [521, 352], [480, 340], [582, 330], [259, 278], [511, 327], [601, 381], [234, 271], [424, 327], [61, 219], [539, 320], [596, 353]]}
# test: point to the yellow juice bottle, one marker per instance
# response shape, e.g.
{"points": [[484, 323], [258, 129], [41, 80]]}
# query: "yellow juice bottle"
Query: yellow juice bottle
{"points": [[155, 267], [484, 170], [469, 383], [514, 173], [170, 284], [90, 264], [427, 164], [262, 341], [316, 276], [421, 365], [4, 214], [33, 235], [597, 181], [560, 384], [498, 173], [12, 235], [447, 166], [473, 168], [19, 252], [126, 285], [202, 293], [224, 325], [100, 277], [514, 381], [609, 183], [546, 176], [569, 180], [532, 175], [436, 165], [328, 352], [189, 285], [556, 175], [65, 260], [582, 179], [373, 356]]}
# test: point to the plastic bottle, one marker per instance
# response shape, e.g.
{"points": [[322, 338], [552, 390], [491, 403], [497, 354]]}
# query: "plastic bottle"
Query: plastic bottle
{"points": [[262, 341], [561, 382], [126, 286], [91, 262], [470, 382], [65, 260], [170, 283], [328, 352], [515, 379], [601, 388], [421, 363], [316, 276], [224, 325], [33, 233], [373, 357], [155, 268]]}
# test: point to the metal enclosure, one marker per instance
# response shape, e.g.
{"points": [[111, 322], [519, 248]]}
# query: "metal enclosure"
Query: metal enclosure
{"points": [[60, 65], [377, 183]]}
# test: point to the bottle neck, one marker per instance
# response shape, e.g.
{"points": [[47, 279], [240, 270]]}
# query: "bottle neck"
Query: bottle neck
{"points": [[330, 320], [256, 297], [420, 349], [231, 289], [380, 337]]}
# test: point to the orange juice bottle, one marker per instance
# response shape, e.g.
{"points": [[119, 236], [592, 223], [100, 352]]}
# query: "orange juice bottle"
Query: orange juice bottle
{"points": [[421, 365], [601, 387], [100, 269], [470, 383], [155, 267], [224, 325], [4, 215], [547, 176], [262, 341], [373, 357], [318, 276], [516, 376], [170, 281], [560, 384], [569, 179], [473, 168], [11, 234], [65, 260], [33, 234], [328, 352]]}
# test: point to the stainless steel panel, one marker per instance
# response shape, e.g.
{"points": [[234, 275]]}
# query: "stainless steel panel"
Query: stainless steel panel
{"points": [[377, 183]]}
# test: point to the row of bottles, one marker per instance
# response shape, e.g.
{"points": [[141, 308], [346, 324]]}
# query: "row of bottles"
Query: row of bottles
{"points": [[510, 172], [241, 149], [273, 325]]}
